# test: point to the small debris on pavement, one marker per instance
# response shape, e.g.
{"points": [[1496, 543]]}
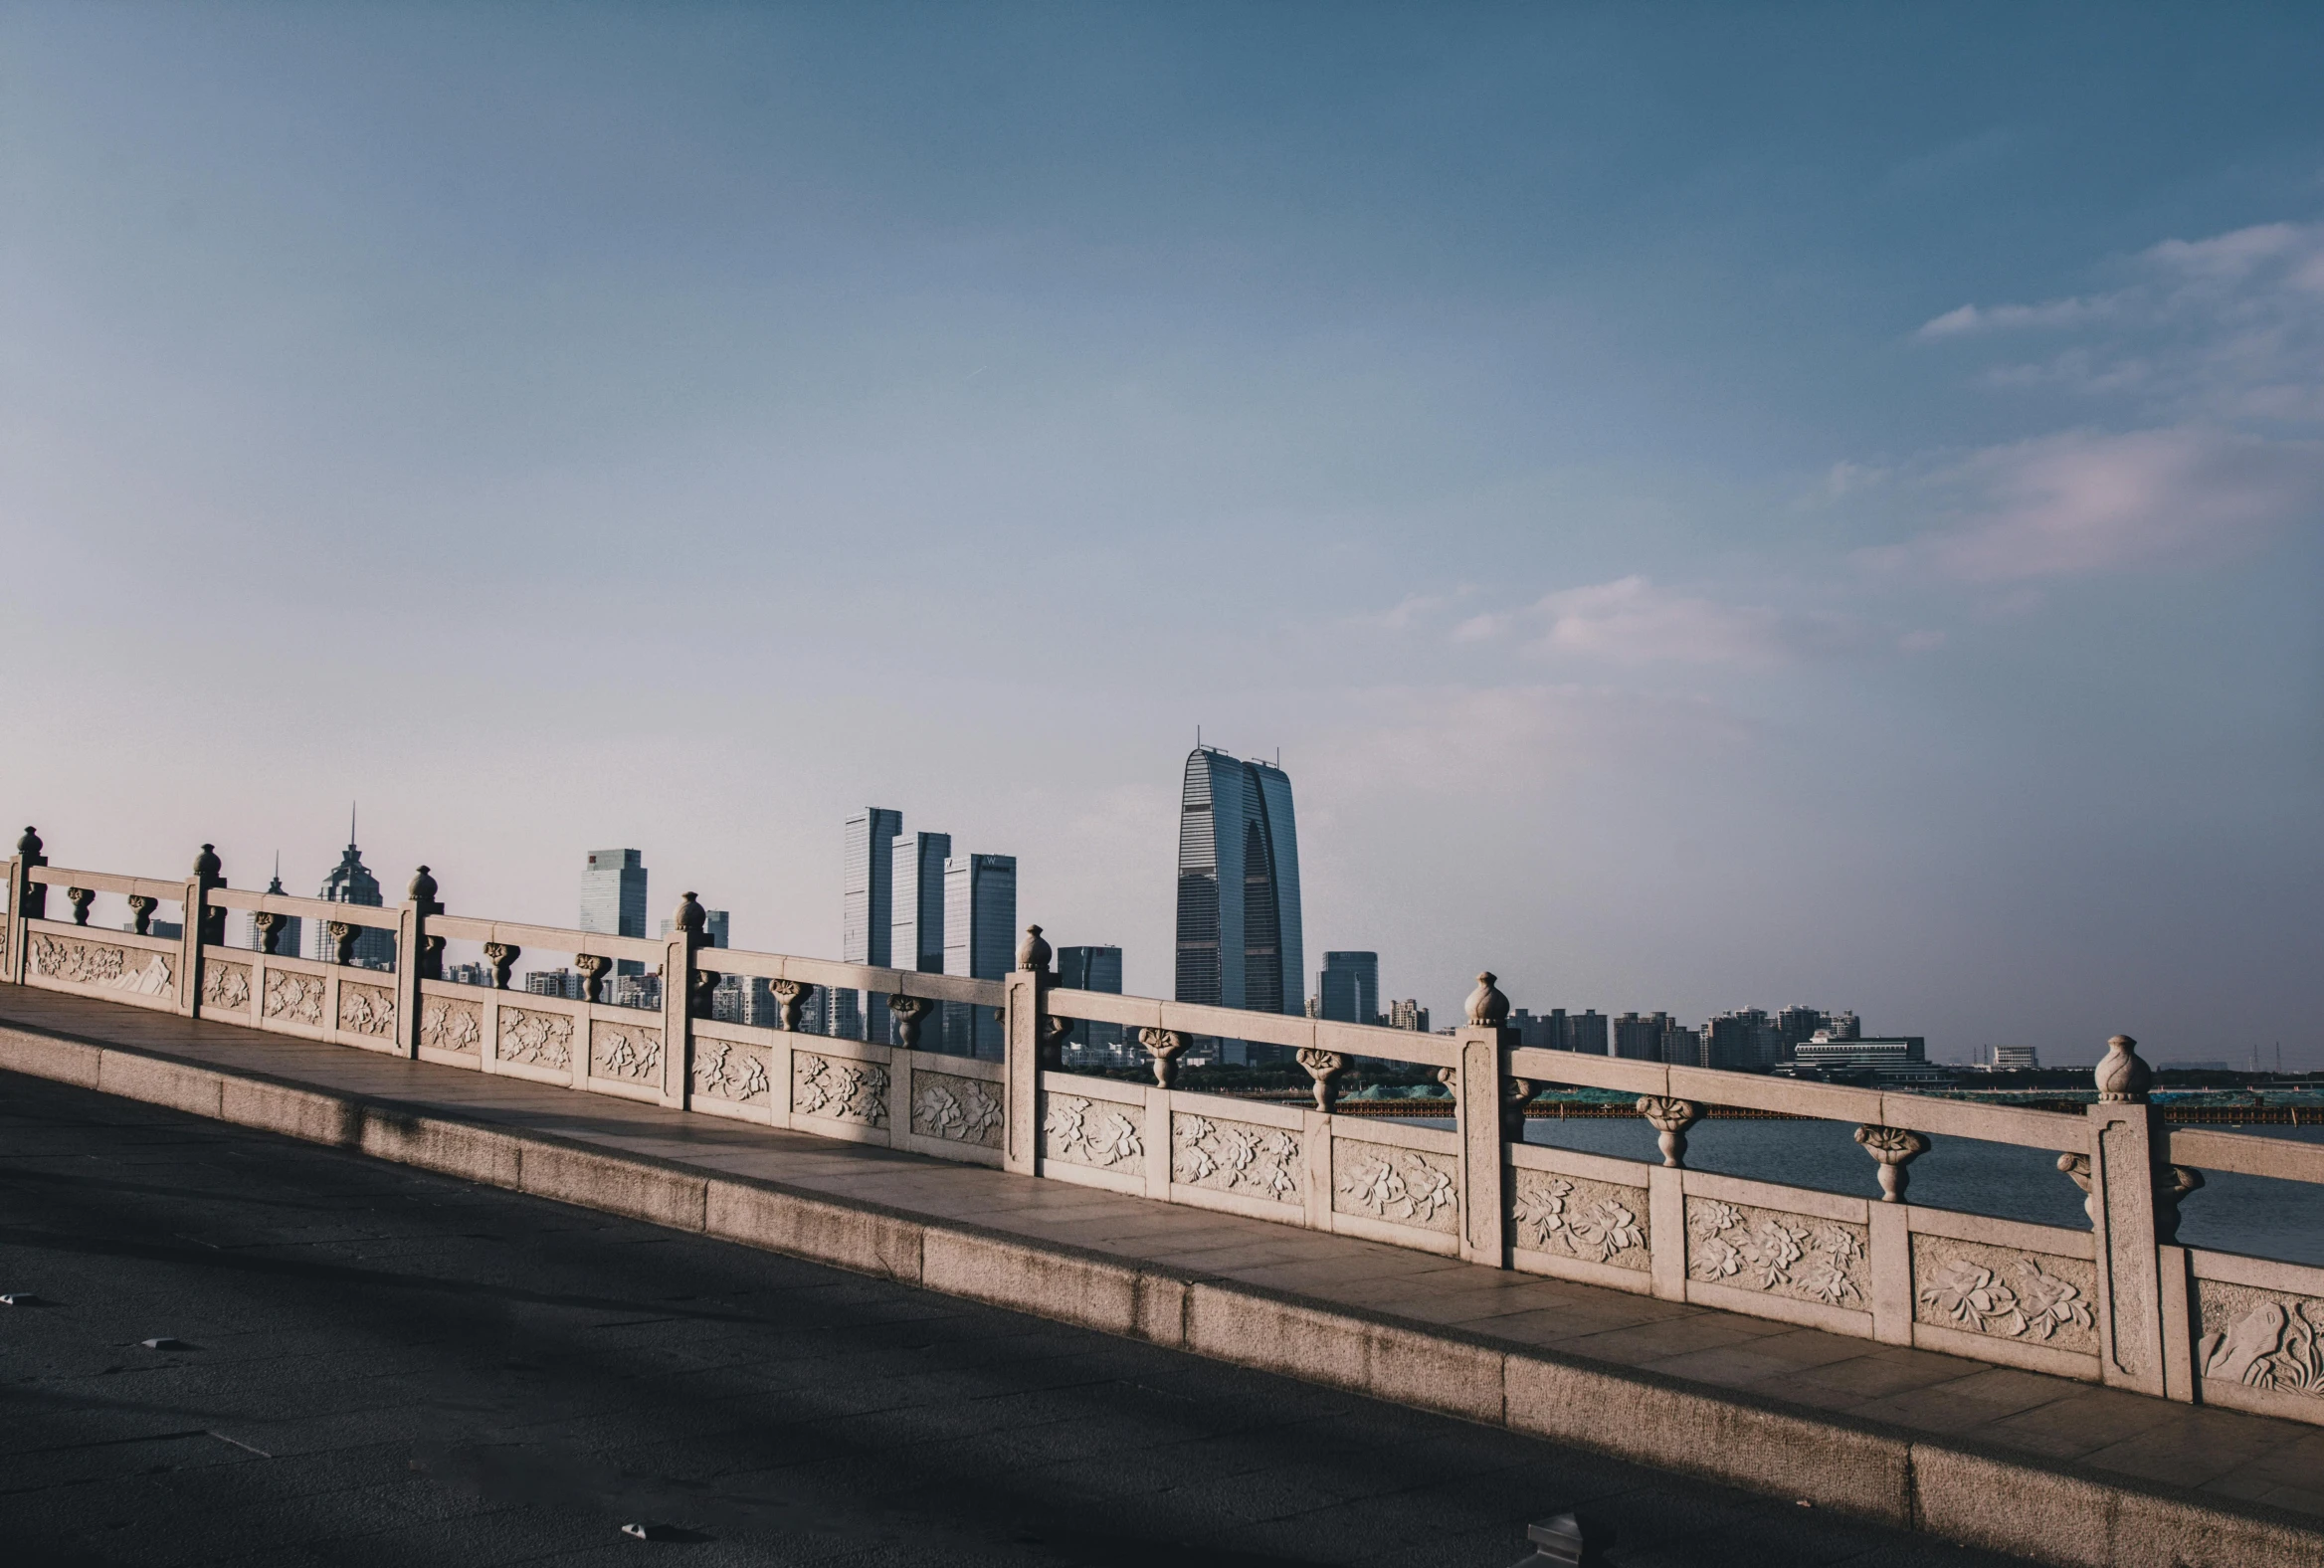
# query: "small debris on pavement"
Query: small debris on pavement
{"points": [[165, 1343]]}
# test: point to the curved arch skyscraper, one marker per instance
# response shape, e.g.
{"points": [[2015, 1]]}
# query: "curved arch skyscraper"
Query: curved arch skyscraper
{"points": [[1239, 887]]}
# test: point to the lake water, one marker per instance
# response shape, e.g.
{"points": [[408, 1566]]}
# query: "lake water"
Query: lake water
{"points": [[2254, 1215]]}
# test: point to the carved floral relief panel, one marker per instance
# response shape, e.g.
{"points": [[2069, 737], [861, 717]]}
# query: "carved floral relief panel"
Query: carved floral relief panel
{"points": [[366, 1008], [295, 998], [1093, 1132], [539, 1040], [627, 1052], [1776, 1252], [137, 973], [446, 1024], [1400, 1185], [1571, 1216], [2005, 1291], [724, 1070], [1234, 1156], [963, 1110], [226, 987], [2266, 1339], [844, 1090]]}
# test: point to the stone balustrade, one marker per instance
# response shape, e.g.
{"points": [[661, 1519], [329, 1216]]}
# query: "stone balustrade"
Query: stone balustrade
{"points": [[2120, 1302]]}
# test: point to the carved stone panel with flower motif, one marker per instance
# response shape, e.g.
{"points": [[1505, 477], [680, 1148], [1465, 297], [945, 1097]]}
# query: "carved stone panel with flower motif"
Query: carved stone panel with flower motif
{"points": [[1404, 1186], [730, 1070], [1598, 1222], [843, 1091], [1234, 1156], [295, 998], [1779, 1253], [225, 987], [1094, 1132], [2005, 1291], [137, 973], [957, 1110], [446, 1024], [628, 1053], [537, 1040], [366, 1008], [2263, 1339]]}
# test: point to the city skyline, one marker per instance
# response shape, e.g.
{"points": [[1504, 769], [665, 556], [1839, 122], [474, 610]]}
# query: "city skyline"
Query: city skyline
{"points": [[1789, 506]]}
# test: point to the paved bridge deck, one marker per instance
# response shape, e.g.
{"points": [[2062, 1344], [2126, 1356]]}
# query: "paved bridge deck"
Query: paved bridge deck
{"points": [[2021, 1462]]}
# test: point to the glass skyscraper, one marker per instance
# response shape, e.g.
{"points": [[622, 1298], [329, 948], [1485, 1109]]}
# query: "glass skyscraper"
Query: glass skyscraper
{"points": [[1092, 969], [980, 941], [866, 916], [1238, 940], [613, 899], [351, 881], [1348, 989], [916, 904]]}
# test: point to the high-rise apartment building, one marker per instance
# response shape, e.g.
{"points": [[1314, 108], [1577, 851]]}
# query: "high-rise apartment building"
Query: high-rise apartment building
{"points": [[980, 941], [613, 899], [1347, 991], [1239, 932], [1092, 969], [1407, 1014], [1744, 1041], [351, 881], [1558, 1029], [1657, 1037], [867, 911]]}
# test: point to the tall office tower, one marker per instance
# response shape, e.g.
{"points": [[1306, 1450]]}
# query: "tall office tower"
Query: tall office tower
{"points": [[1239, 933], [1092, 969], [916, 904], [868, 912], [1348, 989], [613, 899], [351, 881], [287, 937], [980, 941]]}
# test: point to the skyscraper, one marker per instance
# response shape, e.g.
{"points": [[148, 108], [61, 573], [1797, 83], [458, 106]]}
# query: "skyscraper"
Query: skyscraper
{"points": [[1092, 969], [866, 913], [916, 905], [1239, 937], [1348, 989], [980, 941], [351, 881], [613, 899]]}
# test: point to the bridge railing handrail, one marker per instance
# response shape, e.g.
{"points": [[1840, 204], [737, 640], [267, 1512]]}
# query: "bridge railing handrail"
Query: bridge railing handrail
{"points": [[171, 892]]}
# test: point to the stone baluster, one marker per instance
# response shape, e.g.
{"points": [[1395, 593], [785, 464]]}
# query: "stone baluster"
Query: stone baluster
{"points": [[1670, 1118], [907, 1010], [790, 996], [428, 950], [141, 913], [705, 985], [79, 899], [32, 898], [269, 928], [591, 969], [1516, 1095], [1024, 1039], [343, 935], [1479, 1089], [684, 998], [203, 925], [1165, 1046], [1895, 1148], [503, 957], [1325, 1067]]}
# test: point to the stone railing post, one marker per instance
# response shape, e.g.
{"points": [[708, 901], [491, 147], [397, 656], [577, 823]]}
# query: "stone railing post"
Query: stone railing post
{"points": [[2138, 1318], [202, 925], [1480, 1101], [27, 900], [687, 933], [418, 957], [1022, 1039]]}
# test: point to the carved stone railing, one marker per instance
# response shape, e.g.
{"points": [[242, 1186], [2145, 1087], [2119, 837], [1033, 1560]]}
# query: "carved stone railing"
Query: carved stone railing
{"points": [[2121, 1303]]}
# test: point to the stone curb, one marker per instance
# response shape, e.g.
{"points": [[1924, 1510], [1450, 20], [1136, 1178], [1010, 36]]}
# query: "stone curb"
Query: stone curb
{"points": [[1979, 1497]]}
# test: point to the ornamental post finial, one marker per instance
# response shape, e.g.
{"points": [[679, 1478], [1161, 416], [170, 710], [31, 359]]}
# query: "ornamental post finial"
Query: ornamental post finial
{"points": [[1487, 1008], [2122, 1076], [1032, 953], [691, 918]]}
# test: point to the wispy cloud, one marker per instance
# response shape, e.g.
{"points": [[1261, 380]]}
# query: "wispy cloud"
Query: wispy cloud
{"points": [[1634, 620], [2087, 501]]}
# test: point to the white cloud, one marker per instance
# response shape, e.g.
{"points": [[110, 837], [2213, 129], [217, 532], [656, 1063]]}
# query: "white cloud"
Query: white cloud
{"points": [[2085, 502], [1970, 318], [1632, 621]]}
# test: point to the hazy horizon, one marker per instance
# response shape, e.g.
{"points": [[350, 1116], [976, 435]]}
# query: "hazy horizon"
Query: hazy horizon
{"points": [[1715, 509]]}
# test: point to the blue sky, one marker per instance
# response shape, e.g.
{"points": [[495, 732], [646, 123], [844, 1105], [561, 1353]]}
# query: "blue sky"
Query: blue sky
{"points": [[1716, 508]]}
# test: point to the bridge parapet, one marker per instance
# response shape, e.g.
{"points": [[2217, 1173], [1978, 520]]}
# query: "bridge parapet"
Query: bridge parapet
{"points": [[2121, 1303]]}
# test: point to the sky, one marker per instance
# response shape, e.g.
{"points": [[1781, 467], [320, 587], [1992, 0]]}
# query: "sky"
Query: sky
{"points": [[1715, 507]]}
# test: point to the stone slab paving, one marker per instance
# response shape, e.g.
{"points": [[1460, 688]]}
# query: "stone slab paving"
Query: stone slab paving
{"points": [[2230, 1454]]}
